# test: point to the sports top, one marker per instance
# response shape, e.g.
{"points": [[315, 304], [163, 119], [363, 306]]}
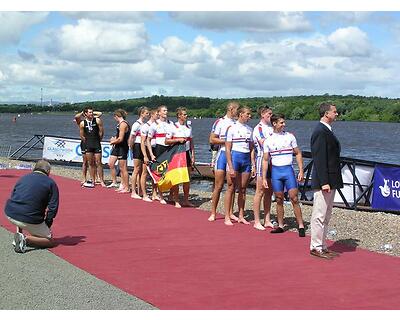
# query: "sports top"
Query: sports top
{"points": [[159, 130], [124, 142], [136, 129], [240, 136], [219, 128], [261, 131], [280, 147], [181, 131], [91, 131], [144, 131]]}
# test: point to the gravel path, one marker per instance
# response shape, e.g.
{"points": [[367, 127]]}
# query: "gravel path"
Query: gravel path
{"points": [[42, 281]]}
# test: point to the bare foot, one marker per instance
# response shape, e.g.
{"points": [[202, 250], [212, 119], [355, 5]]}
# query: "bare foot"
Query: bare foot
{"points": [[124, 191], [258, 226], [243, 220], [233, 217], [155, 198], [269, 225], [103, 184], [147, 199], [162, 201], [228, 222], [135, 196], [211, 217], [178, 205]]}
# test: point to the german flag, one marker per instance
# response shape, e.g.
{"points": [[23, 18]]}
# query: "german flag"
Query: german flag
{"points": [[170, 168]]}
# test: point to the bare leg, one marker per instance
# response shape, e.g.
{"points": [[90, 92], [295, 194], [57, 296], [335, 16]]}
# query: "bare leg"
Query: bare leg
{"points": [[243, 181], [229, 195], [293, 194], [267, 206], [279, 208], [231, 215], [84, 168], [143, 183], [99, 168], [218, 185], [257, 203], [124, 176], [92, 166], [137, 168], [111, 164], [186, 189], [174, 196]]}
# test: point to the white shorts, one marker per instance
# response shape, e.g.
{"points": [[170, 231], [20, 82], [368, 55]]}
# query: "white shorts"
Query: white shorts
{"points": [[40, 230]]}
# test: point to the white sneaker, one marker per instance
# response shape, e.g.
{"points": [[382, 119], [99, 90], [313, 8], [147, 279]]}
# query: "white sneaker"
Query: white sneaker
{"points": [[88, 184], [19, 242], [113, 185]]}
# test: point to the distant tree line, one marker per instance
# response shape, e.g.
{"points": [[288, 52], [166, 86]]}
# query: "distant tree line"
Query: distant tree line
{"points": [[350, 107]]}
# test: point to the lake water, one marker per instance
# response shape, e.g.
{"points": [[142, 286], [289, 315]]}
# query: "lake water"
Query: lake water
{"points": [[375, 141]]}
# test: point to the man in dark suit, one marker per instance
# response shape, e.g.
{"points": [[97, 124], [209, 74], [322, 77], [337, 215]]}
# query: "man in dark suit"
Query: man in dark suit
{"points": [[326, 178]]}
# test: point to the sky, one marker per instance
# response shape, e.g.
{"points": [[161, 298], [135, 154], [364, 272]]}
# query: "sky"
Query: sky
{"points": [[77, 56]]}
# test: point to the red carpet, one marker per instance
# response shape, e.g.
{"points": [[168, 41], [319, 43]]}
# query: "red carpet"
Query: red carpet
{"points": [[176, 259]]}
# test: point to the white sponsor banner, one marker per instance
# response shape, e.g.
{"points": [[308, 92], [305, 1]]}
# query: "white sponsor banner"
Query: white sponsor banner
{"points": [[68, 149]]}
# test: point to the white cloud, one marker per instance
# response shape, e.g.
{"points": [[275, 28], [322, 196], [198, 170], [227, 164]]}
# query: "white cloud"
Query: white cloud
{"points": [[98, 59], [14, 24], [113, 16], [350, 41], [181, 52], [98, 41], [245, 21]]}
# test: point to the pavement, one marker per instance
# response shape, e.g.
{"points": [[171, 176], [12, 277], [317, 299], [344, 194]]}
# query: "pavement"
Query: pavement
{"points": [[39, 280]]}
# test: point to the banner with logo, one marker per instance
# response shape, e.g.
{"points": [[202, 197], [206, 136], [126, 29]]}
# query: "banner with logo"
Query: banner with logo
{"points": [[386, 193], [69, 149]]}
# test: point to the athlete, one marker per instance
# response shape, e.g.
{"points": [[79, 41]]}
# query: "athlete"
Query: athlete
{"points": [[159, 130], [78, 118], [280, 147], [260, 133], [241, 162], [146, 145], [217, 137], [120, 151], [182, 133], [91, 132], [137, 154]]}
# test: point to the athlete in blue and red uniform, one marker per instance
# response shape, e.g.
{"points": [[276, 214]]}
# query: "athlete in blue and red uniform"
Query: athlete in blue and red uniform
{"points": [[217, 137], [260, 133], [280, 147], [241, 163]]}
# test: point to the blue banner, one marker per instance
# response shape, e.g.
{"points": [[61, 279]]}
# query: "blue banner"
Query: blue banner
{"points": [[386, 193]]}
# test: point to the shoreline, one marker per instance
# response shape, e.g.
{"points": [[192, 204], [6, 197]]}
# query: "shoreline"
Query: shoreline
{"points": [[373, 231]]}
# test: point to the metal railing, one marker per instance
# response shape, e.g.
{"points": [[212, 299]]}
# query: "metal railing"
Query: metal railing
{"points": [[361, 193], [28, 146]]}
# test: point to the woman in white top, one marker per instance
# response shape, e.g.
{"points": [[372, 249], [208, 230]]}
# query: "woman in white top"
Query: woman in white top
{"points": [[182, 133], [280, 147], [239, 151], [146, 146], [137, 154]]}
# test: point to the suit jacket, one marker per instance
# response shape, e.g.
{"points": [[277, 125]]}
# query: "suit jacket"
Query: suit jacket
{"points": [[325, 151]]}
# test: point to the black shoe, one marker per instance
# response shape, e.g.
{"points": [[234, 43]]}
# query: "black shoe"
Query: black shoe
{"points": [[302, 232], [278, 230]]}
